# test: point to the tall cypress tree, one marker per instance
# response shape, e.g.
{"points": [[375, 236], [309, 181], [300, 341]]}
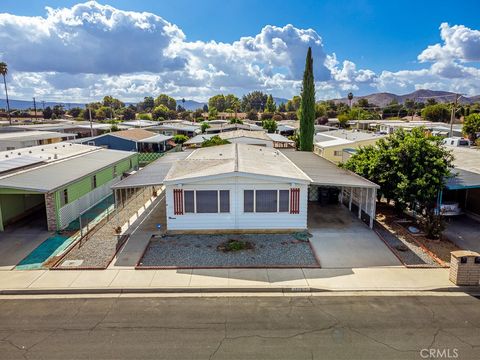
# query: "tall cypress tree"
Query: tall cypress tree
{"points": [[307, 107]]}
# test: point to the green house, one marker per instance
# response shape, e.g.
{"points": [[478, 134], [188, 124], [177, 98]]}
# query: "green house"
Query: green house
{"points": [[59, 181]]}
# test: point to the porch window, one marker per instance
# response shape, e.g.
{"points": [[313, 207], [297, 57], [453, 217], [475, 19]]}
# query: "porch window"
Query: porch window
{"points": [[266, 200], [65, 197], [189, 201], [248, 200], [283, 200], [207, 201], [224, 201], [94, 182]]}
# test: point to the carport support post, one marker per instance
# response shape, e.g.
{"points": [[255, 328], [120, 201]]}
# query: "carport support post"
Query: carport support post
{"points": [[350, 200], [360, 200], [373, 206], [341, 195]]}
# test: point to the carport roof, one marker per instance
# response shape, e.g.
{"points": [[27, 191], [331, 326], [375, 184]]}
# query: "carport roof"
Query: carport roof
{"points": [[154, 173], [463, 179], [324, 172]]}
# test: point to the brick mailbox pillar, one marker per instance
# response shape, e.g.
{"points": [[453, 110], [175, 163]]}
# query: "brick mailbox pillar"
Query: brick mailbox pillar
{"points": [[465, 267]]}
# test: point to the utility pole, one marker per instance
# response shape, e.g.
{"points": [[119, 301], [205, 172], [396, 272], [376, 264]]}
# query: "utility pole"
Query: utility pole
{"points": [[90, 117], [35, 107], [452, 117]]}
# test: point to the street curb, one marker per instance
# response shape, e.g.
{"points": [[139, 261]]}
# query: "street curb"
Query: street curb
{"points": [[474, 290]]}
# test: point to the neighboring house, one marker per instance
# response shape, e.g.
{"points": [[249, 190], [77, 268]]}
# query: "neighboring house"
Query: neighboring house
{"points": [[139, 140], [218, 128], [60, 181], [260, 138], [176, 128], [139, 123], [462, 191], [23, 139], [331, 145], [236, 186]]}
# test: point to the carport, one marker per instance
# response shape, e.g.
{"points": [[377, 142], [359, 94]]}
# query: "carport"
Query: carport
{"points": [[332, 184]]}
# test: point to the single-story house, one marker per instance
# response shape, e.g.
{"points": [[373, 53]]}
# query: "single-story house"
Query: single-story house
{"points": [[242, 187], [176, 128], [236, 186], [331, 144], [139, 140], [218, 128], [261, 138], [22, 139], [139, 123], [60, 181]]}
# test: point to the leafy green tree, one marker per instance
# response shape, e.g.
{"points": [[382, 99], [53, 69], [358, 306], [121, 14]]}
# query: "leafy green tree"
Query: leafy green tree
{"points": [[145, 116], [75, 112], [58, 110], [217, 102], [212, 113], [128, 114], [437, 112], [270, 105], [363, 103], [252, 115], [294, 103], [160, 112], [431, 102], [110, 101], [167, 101], [270, 126], [411, 168], [343, 120], [236, 121], [307, 107], [180, 139], [214, 141], [147, 104], [281, 108], [204, 126], [47, 113], [255, 100], [471, 126]]}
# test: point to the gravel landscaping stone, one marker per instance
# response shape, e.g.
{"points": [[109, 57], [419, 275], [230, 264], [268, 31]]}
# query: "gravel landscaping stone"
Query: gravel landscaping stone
{"points": [[410, 253], [197, 251]]}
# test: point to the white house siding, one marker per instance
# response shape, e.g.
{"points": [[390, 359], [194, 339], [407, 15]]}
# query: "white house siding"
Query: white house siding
{"points": [[237, 219]]}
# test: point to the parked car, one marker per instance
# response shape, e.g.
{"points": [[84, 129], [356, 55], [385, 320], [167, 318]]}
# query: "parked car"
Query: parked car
{"points": [[450, 208], [456, 141]]}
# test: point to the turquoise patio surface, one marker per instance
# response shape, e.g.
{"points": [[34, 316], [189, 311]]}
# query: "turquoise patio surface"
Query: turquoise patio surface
{"points": [[57, 243]]}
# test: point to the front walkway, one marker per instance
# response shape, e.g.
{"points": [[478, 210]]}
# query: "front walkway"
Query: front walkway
{"points": [[341, 240], [363, 279]]}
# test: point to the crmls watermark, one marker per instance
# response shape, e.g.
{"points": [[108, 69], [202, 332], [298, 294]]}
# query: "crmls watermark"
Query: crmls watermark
{"points": [[439, 353]]}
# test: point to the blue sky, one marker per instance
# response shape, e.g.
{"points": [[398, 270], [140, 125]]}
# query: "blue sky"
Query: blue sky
{"points": [[385, 44]]}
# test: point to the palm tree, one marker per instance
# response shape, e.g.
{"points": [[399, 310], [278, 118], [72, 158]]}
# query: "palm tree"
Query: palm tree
{"points": [[350, 98], [4, 72]]}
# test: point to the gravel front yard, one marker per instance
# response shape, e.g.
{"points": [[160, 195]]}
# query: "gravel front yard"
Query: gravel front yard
{"points": [[200, 251]]}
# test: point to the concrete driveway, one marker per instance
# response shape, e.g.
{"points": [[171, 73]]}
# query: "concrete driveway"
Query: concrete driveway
{"points": [[20, 239], [340, 240], [464, 232]]}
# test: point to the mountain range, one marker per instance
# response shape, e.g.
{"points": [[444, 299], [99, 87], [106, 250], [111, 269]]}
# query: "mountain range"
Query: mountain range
{"points": [[383, 99], [380, 99]]}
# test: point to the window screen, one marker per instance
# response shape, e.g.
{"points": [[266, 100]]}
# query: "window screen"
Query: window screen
{"points": [[266, 201], [248, 200], [207, 201], [224, 201], [189, 197], [283, 205]]}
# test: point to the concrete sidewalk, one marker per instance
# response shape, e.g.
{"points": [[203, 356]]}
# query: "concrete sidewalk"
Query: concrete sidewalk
{"points": [[115, 280]]}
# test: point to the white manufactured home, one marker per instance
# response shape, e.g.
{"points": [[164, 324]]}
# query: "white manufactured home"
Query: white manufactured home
{"points": [[236, 187]]}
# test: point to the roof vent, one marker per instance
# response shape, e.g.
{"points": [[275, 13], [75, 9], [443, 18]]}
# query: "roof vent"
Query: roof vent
{"points": [[42, 149], [55, 156], [6, 156]]}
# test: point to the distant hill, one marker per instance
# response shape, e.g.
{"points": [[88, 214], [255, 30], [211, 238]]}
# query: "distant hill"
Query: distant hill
{"points": [[191, 104], [384, 98], [25, 104]]}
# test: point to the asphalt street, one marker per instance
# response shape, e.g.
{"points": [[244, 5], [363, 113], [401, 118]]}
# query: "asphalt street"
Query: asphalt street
{"points": [[318, 327]]}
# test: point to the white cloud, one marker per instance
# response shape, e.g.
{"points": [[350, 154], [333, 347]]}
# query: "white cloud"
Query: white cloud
{"points": [[90, 50]]}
